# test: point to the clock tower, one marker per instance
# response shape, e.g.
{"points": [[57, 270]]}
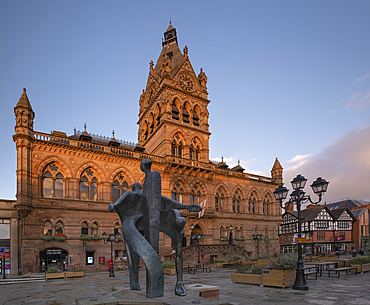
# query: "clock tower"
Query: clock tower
{"points": [[173, 116]]}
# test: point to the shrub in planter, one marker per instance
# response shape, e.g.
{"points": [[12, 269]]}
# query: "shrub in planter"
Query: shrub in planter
{"points": [[234, 258], [53, 270], [252, 259], [256, 269], [60, 237], [168, 265], [287, 261], [90, 237], [360, 260], [47, 237], [218, 261]]}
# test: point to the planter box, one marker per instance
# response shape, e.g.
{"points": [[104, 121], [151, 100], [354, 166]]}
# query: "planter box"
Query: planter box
{"points": [[169, 271], [362, 268], [59, 275], [74, 274], [62, 275], [278, 278], [247, 278], [218, 265], [262, 262]]}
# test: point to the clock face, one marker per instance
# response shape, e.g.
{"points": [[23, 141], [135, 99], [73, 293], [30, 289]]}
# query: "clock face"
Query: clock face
{"points": [[186, 83]]}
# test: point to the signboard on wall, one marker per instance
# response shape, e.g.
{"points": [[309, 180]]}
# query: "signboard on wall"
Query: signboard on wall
{"points": [[5, 251], [338, 238]]}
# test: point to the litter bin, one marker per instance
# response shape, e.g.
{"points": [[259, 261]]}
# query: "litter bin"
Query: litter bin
{"points": [[354, 253]]}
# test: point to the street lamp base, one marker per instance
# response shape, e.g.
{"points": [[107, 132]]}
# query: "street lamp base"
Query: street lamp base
{"points": [[299, 287], [111, 275]]}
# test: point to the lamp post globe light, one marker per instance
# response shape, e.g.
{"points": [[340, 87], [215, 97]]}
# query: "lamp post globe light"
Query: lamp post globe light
{"points": [[298, 197], [111, 238], [197, 238], [257, 238], [231, 235]]}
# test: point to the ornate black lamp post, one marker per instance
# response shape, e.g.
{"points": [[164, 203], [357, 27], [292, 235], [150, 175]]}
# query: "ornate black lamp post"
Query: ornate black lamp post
{"points": [[257, 238], [111, 238], [297, 197], [231, 235], [197, 238]]}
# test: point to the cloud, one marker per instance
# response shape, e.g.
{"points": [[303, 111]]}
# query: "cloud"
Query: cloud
{"points": [[359, 101], [345, 163], [298, 161], [359, 80], [359, 91]]}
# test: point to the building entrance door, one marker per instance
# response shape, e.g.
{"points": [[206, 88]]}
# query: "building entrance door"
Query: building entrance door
{"points": [[53, 259]]}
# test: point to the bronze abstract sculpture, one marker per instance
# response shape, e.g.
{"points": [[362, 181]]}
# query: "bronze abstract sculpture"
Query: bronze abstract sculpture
{"points": [[143, 215]]}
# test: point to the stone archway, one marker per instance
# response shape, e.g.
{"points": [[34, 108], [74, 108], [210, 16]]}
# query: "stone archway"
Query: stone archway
{"points": [[52, 259]]}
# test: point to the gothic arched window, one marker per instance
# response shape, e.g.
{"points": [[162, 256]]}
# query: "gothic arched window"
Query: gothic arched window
{"points": [[185, 114], [117, 228], [177, 146], [236, 202], [196, 116], [266, 203], [178, 193], [84, 228], [175, 111], [145, 130], [53, 184], [48, 228], [119, 186], [89, 185], [194, 150], [252, 204], [151, 123], [219, 200], [195, 195], [94, 229], [59, 229], [157, 115]]}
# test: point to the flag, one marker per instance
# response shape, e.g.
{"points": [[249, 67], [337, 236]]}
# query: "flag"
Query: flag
{"points": [[203, 205]]}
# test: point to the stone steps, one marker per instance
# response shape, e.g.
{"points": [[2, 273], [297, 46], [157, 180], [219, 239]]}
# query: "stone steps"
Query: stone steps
{"points": [[29, 279]]}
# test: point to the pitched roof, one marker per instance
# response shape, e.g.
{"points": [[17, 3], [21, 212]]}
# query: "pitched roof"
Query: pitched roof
{"points": [[238, 168], [24, 101], [349, 203], [176, 55], [170, 27], [277, 165], [311, 213], [358, 212]]}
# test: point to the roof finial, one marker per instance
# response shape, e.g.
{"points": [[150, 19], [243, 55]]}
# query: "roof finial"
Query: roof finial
{"points": [[170, 20], [85, 126], [238, 162], [222, 159], [24, 89], [113, 133]]}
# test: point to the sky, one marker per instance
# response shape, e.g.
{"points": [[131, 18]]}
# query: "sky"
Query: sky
{"points": [[286, 79]]}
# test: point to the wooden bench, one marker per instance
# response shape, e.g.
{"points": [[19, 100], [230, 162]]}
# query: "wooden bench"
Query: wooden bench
{"points": [[229, 264], [308, 271], [195, 269], [347, 269], [187, 268]]}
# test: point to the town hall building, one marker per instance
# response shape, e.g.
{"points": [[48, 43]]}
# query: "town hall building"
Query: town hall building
{"points": [[65, 183]]}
